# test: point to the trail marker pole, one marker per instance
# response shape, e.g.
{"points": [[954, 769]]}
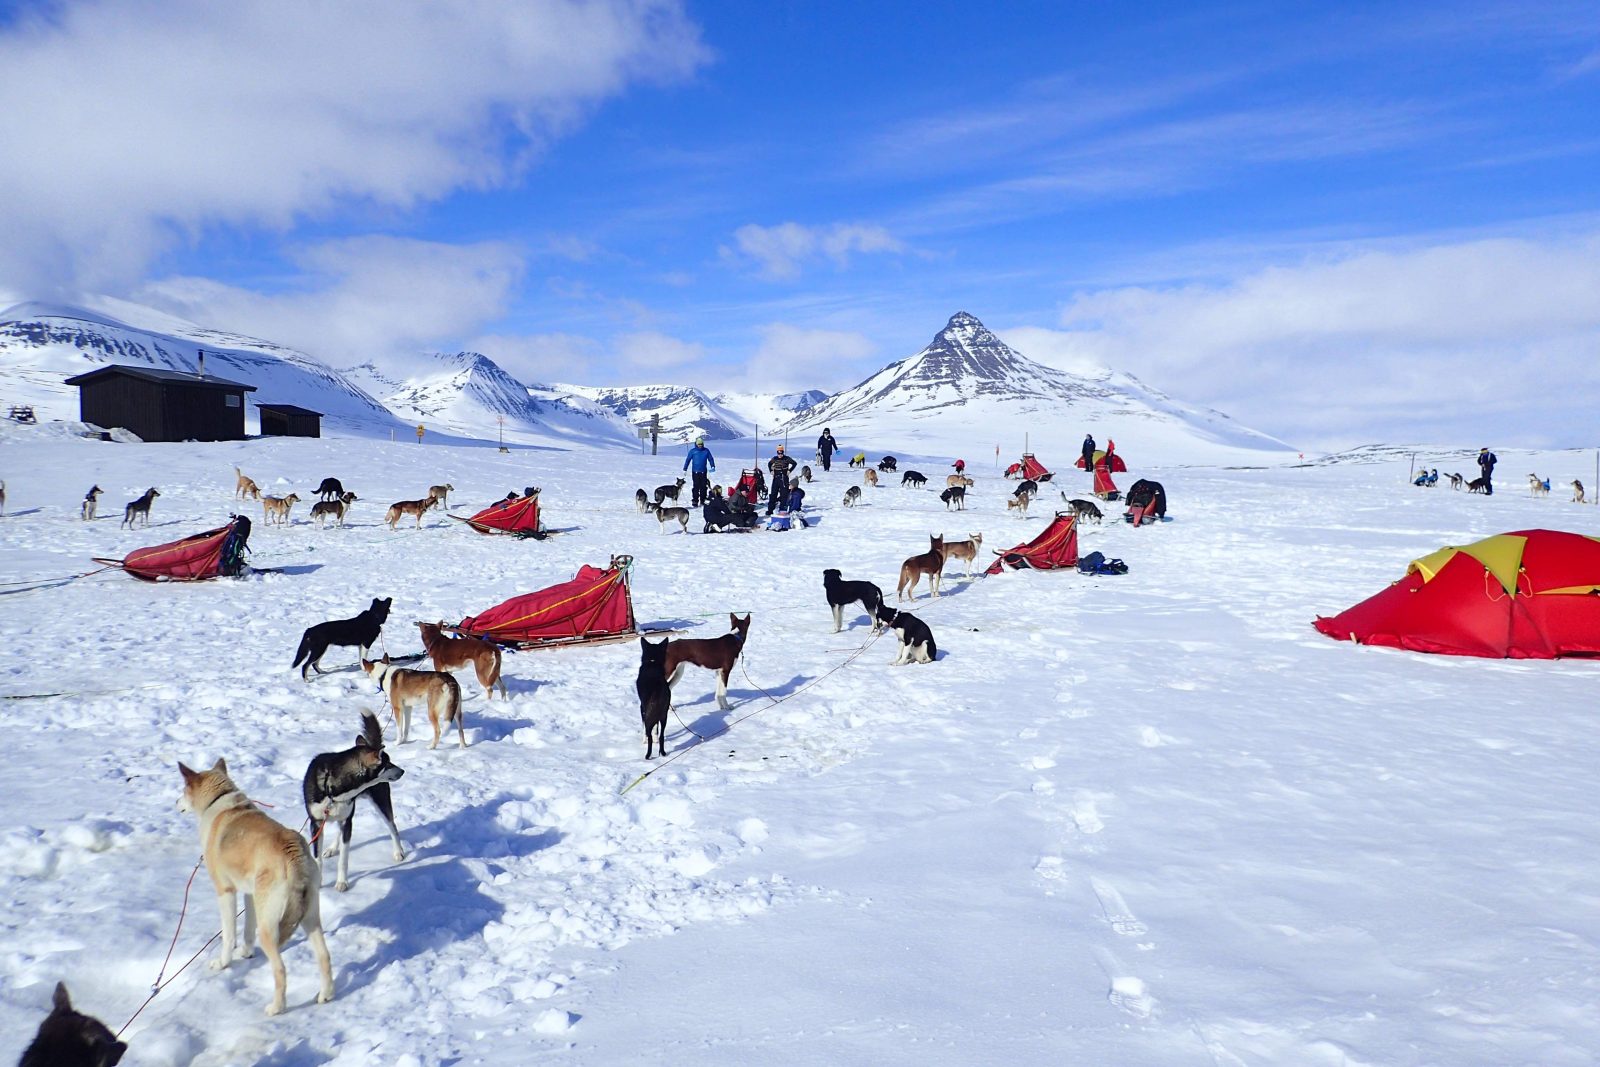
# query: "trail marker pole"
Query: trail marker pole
{"points": [[1413, 469], [502, 420], [655, 432], [419, 433]]}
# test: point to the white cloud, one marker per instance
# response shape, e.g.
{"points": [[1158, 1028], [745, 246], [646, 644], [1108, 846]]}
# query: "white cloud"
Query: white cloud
{"points": [[1492, 338], [133, 123], [783, 251], [650, 351], [360, 298], [542, 358], [790, 358]]}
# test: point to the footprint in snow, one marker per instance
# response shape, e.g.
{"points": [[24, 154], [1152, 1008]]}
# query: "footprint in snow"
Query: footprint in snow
{"points": [[1131, 995], [1086, 815], [1116, 910]]}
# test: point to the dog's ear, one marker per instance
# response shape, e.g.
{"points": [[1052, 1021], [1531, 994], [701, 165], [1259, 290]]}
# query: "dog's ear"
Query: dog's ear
{"points": [[60, 1001], [219, 766], [188, 775]]}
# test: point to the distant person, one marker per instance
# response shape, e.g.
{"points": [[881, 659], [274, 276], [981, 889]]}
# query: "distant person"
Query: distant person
{"points": [[1088, 452], [826, 447], [1486, 462], [780, 465], [699, 460]]}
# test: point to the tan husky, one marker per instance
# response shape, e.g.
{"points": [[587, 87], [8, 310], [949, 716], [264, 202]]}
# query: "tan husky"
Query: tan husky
{"points": [[967, 550], [440, 691], [930, 563], [278, 507], [245, 851], [246, 488], [402, 508], [453, 653], [870, 476]]}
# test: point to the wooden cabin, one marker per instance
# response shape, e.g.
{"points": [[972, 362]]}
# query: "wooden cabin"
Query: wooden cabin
{"points": [[162, 405], [289, 420]]}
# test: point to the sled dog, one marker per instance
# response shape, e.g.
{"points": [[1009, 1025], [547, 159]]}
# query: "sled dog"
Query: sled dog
{"points": [[441, 493], [333, 783], [91, 500], [245, 487], [330, 489], [668, 492], [136, 509], [1083, 509], [870, 476], [958, 479], [640, 500], [916, 640], [245, 851], [401, 508], [1537, 486], [453, 653], [336, 508], [967, 550], [1456, 481], [841, 594], [956, 495], [930, 563], [852, 496], [68, 1038], [1577, 491], [278, 507], [361, 631], [439, 691], [713, 653], [655, 695], [666, 515], [915, 479], [1478, 485], [1019, 504]]}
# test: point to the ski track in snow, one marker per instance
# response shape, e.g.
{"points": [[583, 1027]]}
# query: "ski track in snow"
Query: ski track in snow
{"points": [[1149, 819]]}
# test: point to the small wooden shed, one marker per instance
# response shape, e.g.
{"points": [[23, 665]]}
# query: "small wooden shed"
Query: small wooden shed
{"points": [[163, 405], [289, 420]]}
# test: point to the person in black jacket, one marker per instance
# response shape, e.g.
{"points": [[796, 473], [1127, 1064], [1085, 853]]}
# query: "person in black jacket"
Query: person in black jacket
{"points": [[826, 447], [1088, 453], [1486, 462], [780, 465]]}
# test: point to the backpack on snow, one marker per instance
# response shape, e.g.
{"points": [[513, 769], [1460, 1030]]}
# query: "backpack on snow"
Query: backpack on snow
{"points": [[1096, 563]]}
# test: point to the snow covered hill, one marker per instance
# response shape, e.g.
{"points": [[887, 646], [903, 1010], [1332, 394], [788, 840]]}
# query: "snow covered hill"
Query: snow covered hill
{"points": [[767, 410], [968, 391], [43, 344], [468, 392], [686, 412]]}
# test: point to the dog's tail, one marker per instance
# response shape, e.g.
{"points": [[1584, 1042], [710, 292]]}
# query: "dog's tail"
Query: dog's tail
{"points": [[304, 651], [371, 730]]}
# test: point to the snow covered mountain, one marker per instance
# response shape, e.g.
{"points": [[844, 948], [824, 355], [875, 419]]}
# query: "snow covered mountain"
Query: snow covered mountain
{"points": [[467, 392], [41, 345], [767, 410], [686, 412], [968, 392]]}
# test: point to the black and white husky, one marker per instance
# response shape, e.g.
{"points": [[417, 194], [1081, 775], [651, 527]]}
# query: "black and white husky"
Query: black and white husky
{"points": [[841, 594], [332, 785], [916, 640]]}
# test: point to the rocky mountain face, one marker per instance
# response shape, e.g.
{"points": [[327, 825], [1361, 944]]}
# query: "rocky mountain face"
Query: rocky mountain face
{"points": [[685, 412]]}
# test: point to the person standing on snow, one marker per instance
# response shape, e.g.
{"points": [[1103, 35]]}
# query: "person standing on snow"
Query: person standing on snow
{"points": [[780, 465], [700, 459], [1088, 453], [1486, 462], [826, 447]]}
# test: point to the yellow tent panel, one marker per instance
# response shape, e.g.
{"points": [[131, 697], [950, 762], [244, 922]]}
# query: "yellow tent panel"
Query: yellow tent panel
{"points": [[1501, 555]]}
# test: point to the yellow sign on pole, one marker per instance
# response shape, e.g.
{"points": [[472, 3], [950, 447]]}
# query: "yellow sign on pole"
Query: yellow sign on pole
{"points": [[419, 433]]}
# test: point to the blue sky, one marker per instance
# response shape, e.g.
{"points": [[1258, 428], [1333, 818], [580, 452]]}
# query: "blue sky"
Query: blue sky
{"points": [[1312, 220]]}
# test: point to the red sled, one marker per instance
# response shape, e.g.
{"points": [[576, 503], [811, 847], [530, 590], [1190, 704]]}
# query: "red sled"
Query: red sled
{"points": [[516, 515], [1054, 549], [749, 486], [1032, 468], [595, 607], [214, 554]]}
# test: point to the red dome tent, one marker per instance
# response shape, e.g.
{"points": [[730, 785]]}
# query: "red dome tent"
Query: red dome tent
{"points": [[1054, 549], [1117, 466], [1531, 594]]}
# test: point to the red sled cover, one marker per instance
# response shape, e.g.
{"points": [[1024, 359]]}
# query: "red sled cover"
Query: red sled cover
{"points": [[194, 558], [1055, 548], [1032, 468], [519, 515], [598, 603]]}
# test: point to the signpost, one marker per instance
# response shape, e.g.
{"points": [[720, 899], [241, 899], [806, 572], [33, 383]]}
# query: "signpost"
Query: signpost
{"points": [[655, 432], [502, 420], [419, 433]]}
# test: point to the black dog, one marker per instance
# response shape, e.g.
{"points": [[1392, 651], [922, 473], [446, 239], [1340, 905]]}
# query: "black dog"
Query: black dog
{"points": [[361, 631], [69, 1039], [956, 494], [887, 464], [915, 479], [842, 593], [655, 695], [916, 640], [330, 489], [334, 781], [1027, 485]]}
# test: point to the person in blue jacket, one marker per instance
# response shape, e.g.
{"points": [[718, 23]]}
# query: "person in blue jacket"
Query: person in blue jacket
{"points": [[699, 460]]}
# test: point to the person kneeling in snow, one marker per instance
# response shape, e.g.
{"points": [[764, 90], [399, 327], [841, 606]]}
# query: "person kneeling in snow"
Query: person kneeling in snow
{"points": [[1147, 502]]}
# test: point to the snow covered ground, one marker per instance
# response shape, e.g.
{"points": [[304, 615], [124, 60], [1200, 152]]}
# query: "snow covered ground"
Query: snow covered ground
{"points": [[1149, 819]]}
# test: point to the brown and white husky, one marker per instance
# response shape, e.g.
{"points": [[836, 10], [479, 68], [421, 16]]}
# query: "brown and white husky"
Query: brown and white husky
{"points": [[453, 653], [440, 692], [714, 653], [245, 851], [930, 563]]}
